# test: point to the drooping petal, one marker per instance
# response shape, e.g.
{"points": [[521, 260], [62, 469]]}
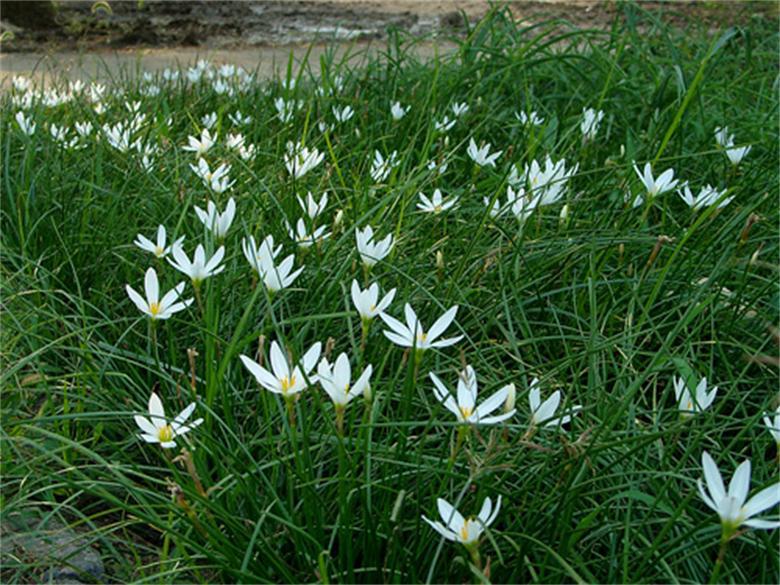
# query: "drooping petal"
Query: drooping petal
{"points": [[265, 378], [137, 299], [443, 395], [492, 403], [763, 500], [145, 425], [762, 524], [437, 526]]}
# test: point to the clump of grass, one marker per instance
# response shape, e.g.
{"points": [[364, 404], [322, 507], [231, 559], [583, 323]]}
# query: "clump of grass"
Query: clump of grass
{"points": [[604, 302]]}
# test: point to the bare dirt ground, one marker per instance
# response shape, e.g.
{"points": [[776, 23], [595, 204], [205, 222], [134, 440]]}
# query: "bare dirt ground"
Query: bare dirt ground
{"points": [[86, 40]]}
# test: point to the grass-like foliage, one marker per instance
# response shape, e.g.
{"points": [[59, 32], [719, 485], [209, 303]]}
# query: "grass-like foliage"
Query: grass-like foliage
{"points": [[602, 290]]}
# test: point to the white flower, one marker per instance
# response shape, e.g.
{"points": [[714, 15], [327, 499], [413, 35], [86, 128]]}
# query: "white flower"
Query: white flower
{"points": [[157, 429], [531, 118], [336, 380], [118, 136], [286, 378], [286, 109], [199, 269], [398, 111], [217, 223], [591, 119], [170, 74], [440, 168], [723, 138], [202, 145], [657, 186], [25, 123], [436, 204], [302, 236], [733, 507], [707, 197], [262, 257], [692, 403], [21, 83], [382, 167], [773, 425], [152, 305], [227, 70], [412, 334], [247, 153], [344, 114], [464, 530], [311, 207], [482, 156], [299, 160], [464, 408], [239, 119], [278, 277], [217, 180], [158, 249], [367, 301], [736, 154], [547, 184], [445, 125], [84, 129], [494, 209], [459, 108], [520, 205], [370, 250], [234, 141], [542, 413]]}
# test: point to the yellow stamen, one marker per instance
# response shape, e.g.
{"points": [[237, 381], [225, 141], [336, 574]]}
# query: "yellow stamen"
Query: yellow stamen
{"points": [[464, 531], [346, 389], [165, 434], [158, 251], [287, 383], [466, 411], [154, 308]]}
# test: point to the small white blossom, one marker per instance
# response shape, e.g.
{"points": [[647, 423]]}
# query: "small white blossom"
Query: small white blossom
{"points": [[397, 111], [157, 429], [372, 251], [436, 204]]}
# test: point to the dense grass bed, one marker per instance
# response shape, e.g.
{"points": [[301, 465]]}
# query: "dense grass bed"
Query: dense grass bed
{"points": [[602, 300]]}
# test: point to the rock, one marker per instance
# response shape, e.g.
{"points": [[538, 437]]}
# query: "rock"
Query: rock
{"points": [[40, 545]]}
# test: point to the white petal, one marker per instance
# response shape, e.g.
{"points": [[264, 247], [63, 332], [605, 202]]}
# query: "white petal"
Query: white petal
{"points": [[442, 323], [712, 477], [740, 483], [766, 498]]}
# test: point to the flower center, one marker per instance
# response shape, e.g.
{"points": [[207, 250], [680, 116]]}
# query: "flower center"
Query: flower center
{"points": [[165, 434], [372, 308], [437, 208], [422, 337], [158, 251], [464, 531], [154, 308], [287, 383], [346, 388], [466, 411]]}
